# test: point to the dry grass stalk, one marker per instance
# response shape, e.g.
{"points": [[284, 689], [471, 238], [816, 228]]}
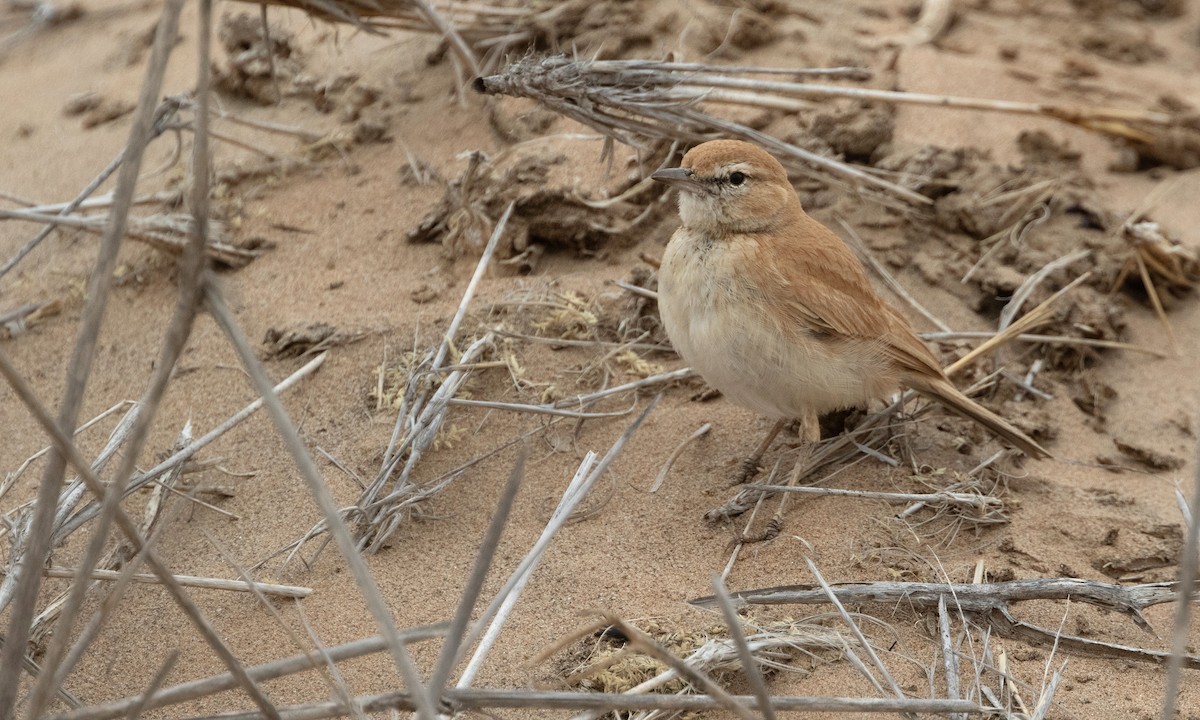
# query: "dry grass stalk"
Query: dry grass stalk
{"points": [[487, 628], [1046, 340], [858, 634], [28, 580], [638, 100], [448, 658], [413, 14], [1029, 320], [180, 457], [162, 117], [63, 445], [1189, 571], [989, 603], [982, 505], [666, 468], [421, 416], [210, 583], [167, 232], [283, 667], [324, 499], [480, 700]]}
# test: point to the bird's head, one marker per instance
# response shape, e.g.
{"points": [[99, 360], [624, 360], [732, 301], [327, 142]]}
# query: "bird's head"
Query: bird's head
{"points": [[730, 186]]}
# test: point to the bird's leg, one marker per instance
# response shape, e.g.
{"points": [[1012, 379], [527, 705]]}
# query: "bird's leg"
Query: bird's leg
{"points": [[750, 466], [810, 436]]}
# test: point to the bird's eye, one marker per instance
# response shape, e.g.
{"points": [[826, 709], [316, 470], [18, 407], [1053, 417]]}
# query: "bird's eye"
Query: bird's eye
{"points": [[737, 178]]}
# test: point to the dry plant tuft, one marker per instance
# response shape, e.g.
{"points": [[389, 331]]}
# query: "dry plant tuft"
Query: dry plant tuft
{"points": [[552, 211]]}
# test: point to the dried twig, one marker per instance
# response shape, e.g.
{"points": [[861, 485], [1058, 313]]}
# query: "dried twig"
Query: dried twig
{"points": [[220, 683], [165, 232], [291, 591], [28, 579], [178, 458], [989, 602], [980, 503], [324, 499], [1188, 570], [636, 100], [666, 468], [487, 627]]}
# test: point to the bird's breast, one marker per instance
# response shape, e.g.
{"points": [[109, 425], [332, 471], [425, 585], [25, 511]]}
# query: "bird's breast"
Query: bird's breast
{"points": [[721, 322]]}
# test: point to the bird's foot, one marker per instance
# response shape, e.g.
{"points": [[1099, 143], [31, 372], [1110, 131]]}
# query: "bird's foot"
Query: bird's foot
{"points": [[768, 533]]}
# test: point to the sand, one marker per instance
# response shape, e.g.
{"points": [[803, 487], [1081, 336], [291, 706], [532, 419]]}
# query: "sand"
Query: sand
{"points": [[337, 223]]}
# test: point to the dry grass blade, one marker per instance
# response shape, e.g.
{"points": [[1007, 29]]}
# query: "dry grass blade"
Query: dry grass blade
{"points": [[165, 232], [1047, 340], [422, 414], [205, 687], [666, 468], [209, 583], [1034, 317], [638, 100], [858, 634], [162, 115], [1189, 570], [63, 445], [360, 12], [35, 553], [88, 512], [978, 502], [749, 664], [491, 620], [324, 500], [178, 331], [466, 699], [470, 594]]}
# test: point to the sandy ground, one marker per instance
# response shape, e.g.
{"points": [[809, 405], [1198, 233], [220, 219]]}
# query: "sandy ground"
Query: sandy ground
{"points": [[338, 223]]}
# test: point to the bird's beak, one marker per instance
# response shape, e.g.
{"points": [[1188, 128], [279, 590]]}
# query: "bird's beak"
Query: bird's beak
{"points": [[681, 178]]}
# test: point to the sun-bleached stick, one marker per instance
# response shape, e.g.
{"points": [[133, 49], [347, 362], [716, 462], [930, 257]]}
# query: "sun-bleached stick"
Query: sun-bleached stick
{"points": [[212, 685], [183, 455], [28, 580], [497, 612], [209, 583], [323, 498]]}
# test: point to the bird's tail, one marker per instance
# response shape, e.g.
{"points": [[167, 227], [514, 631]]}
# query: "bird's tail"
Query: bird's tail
{"points": [[940, 390]]}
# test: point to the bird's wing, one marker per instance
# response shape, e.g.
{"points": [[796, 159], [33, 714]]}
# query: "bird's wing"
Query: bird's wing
{"points": [[828, 293]]}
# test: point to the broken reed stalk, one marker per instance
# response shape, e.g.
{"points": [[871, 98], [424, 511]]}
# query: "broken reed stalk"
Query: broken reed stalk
{"points": [[165, 232], [323, 498], [487, 628], [89, 511], [638, 100], [34, 557], [191, 271], [209, 583], [223, 682], [989, 603], [360, 13], [1189, 570]]}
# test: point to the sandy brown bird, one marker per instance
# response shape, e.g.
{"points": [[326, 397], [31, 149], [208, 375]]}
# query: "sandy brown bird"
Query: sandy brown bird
{"points": [[775, 311]]}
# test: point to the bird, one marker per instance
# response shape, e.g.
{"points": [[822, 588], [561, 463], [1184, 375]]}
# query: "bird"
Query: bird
{"points": [[775, 311]]}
